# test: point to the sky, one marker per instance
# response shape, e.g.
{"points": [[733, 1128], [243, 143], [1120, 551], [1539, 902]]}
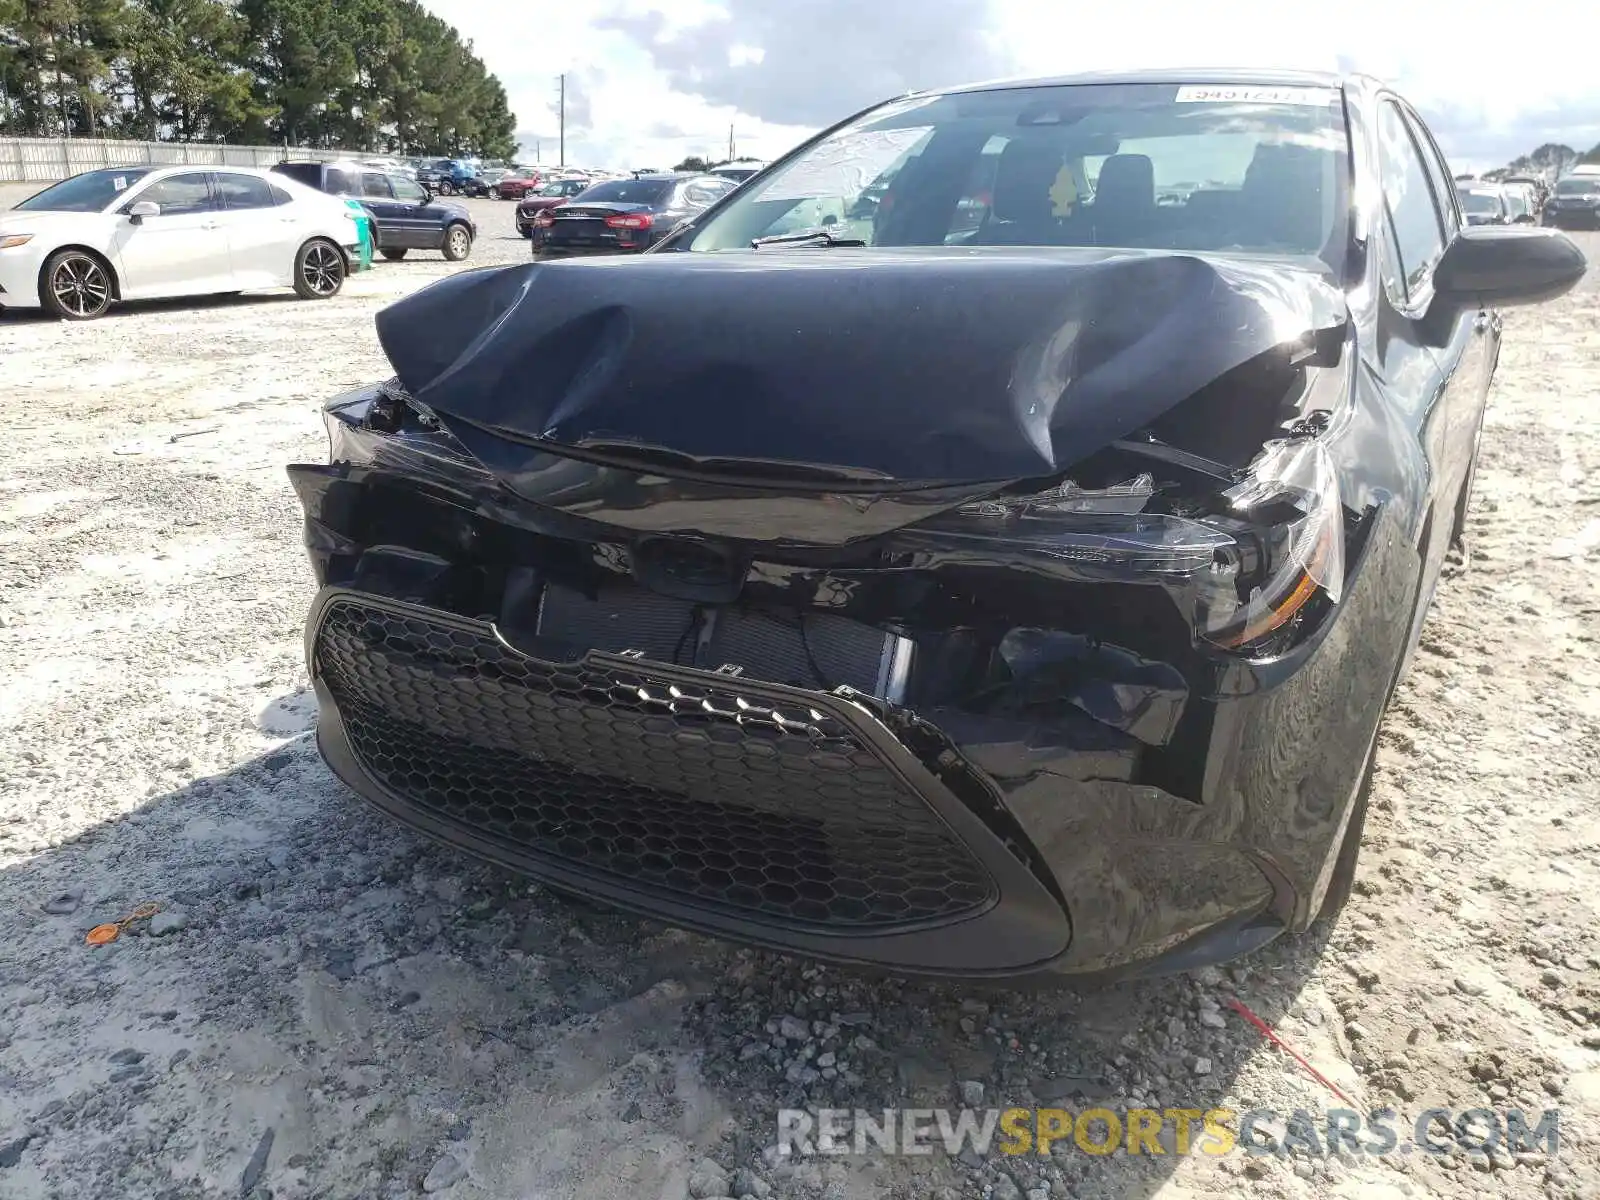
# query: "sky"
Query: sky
{"points": [[650, 83]]}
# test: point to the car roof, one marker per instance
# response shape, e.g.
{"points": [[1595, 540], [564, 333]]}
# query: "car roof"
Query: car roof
{"points": [[1245, 77]]}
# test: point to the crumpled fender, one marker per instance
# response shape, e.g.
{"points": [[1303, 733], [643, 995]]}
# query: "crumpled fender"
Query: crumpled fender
{"points": [[898, 365]]}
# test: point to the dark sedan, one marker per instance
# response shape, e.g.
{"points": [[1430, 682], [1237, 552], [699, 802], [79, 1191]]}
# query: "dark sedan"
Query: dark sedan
{"points": [[557, 191], [1000, 593], [623, 216], [1575, 203]]}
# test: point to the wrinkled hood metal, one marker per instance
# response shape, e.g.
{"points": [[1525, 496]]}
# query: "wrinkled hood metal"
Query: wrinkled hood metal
{"points": [[936, 365]]}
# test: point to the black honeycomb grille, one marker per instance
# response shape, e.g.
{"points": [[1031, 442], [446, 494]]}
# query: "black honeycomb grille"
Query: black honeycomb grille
{"points": [[782, 812]]}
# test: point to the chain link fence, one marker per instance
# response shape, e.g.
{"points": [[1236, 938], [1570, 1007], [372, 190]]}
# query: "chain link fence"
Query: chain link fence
{"points": [[45, 160]]}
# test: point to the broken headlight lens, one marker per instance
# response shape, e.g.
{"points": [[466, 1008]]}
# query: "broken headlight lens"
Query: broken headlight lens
{"points": [[1244, 563], [1291, 508], [382, 426]]}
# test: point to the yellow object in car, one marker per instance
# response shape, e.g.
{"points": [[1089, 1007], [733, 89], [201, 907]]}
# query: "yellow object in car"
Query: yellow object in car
{"points": [[1064, 193]]}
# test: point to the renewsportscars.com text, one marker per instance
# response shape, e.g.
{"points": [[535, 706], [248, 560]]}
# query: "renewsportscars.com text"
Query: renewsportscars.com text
{"points": [[1175, 1131]]}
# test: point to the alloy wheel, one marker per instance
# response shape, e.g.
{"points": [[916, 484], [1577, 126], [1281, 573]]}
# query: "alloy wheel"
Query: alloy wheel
{"points": [[459, 243], [321, 269], [80, 285]]}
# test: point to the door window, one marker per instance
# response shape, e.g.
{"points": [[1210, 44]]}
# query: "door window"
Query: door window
{"points": [[340, 182], [243, 191], [180, 194], [1408, 195], [1444, 188], [407, 190], [375, 186]]}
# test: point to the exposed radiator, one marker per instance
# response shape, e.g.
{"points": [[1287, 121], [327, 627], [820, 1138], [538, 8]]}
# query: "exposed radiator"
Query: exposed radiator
{"points": [[809, 650]]}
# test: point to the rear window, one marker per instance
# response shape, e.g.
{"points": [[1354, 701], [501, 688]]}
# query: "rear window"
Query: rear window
{"points": [[1578, 187], [628, 191], [1480, 202], [89, 192]]}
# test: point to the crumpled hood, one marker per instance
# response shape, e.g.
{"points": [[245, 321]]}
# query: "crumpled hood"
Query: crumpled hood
{"points": [[906, 365]]}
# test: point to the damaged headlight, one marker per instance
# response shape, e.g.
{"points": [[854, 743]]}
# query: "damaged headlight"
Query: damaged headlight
{"points": [[382, 426], [1244, 562]]}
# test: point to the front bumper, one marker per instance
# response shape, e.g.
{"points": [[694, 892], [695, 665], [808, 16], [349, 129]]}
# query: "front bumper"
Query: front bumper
{"points": [[783, 817], [1573, 218], [544, 251], [19, 276], [925, 838]]}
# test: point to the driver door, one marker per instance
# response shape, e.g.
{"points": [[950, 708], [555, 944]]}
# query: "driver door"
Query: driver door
{"points": [[415, 226], [183, 251]]}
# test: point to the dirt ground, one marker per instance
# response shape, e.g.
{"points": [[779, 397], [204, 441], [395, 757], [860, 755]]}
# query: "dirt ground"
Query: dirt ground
{"points": [[326, 1006]]}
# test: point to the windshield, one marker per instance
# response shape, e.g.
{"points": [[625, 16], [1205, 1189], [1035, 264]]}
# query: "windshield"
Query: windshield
{"points": [[627, 191], [1485, 203], [1139, 165], [1578, 187], [562, 188], [89, 192]]}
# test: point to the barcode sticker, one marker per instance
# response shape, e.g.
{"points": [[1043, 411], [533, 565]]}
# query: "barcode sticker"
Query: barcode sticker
{"points": [[1232, 94]]}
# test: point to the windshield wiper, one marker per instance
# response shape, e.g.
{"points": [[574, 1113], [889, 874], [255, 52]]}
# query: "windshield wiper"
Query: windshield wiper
{"points": [[806, 237]]}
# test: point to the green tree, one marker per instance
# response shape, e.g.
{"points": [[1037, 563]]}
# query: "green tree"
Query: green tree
{"points": [[693, 163], [355, 74]]}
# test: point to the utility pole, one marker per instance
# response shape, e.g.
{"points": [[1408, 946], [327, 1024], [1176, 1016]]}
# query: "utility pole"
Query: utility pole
{"points": [[563, 118], [730, 141]]}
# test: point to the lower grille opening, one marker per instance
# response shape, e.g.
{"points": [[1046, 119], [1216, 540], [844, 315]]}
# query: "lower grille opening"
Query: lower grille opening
{"points": [[800, 649], [710, 794]]}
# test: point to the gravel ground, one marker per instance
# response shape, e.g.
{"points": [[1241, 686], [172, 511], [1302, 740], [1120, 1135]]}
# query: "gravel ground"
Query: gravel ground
{"points": [[327, 1006]]}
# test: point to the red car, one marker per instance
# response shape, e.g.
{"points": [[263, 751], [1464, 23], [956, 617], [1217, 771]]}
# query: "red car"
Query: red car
{"points": [[558, 191], [514, 185]]}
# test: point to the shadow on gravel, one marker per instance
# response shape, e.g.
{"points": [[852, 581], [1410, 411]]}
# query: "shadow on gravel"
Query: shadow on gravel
{"points": [[133, 308], [378, 1002]]}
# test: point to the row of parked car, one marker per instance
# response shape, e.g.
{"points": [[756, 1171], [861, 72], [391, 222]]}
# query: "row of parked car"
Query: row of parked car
{"points": [[1572, 202], [568, 217], [406, 214], [142, 232]]}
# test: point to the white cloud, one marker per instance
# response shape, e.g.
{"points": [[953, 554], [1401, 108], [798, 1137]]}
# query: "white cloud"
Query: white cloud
{"points": [[636, 119], [664, 81]]}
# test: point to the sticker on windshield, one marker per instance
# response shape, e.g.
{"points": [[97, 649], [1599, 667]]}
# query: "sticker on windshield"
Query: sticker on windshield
{"points": [[118, 182], [1228, 94]]}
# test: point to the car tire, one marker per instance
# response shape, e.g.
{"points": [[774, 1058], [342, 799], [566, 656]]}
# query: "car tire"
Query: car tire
{"points": [[393, 253], [494, 193], [443, 188], [76, 285], [457, 242], [319, 270]]}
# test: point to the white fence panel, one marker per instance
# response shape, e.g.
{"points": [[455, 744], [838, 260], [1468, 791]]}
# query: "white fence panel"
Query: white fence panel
{"points": [[45, 160]]}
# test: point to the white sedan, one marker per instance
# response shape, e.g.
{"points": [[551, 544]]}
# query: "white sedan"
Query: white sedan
{"points": [[138, 233]]}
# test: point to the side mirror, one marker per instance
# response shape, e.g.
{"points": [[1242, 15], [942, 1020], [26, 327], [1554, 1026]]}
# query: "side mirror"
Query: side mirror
{"points": [[1497, 266], [141, 209]]}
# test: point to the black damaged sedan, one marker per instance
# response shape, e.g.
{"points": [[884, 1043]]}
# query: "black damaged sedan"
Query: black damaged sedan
{"points": [[973, 547]]}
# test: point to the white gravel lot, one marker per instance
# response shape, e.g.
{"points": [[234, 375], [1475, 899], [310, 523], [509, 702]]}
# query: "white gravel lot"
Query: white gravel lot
{"points": [[329, 1007]]}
